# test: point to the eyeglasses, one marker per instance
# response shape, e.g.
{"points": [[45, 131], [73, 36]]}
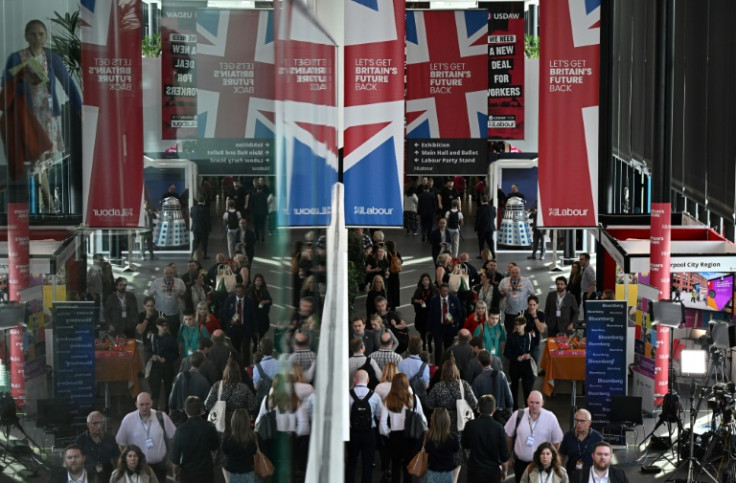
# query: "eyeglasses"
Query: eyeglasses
{"points": [[581, 421], [97, 423]]}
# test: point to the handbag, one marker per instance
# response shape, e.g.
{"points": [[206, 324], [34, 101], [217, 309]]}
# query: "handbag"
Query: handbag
{"points": [[414, 425], [266, 426], [464, 412], [218, 413], [149, 365], [261, 464], [225, 278], [418, 464], [532, 362]]}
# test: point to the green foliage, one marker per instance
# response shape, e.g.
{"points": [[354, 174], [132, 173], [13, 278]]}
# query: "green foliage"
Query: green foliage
{"points": [[531, 46], [151, 46], [68, 45]]}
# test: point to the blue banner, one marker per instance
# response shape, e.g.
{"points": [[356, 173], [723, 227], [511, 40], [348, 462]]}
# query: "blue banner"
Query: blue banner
{"points": [[605, 356], [74, 356]]}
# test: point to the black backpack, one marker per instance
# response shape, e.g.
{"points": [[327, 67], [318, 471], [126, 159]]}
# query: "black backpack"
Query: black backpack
{"points": [[264, 386], [417, 384], [453, 221], [361, 415], [372, 376], [232, 220]]}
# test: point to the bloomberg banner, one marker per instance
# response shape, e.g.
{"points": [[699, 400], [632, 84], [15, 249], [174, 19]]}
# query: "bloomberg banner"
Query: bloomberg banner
{"points": [[605, 355]]}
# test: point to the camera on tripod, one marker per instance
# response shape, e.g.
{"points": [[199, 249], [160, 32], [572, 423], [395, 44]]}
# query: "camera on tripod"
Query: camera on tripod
{"points": [[722, 400]]}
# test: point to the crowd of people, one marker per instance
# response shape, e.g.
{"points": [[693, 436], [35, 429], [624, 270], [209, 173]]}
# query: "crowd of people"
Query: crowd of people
{"points": [[209, 349]]}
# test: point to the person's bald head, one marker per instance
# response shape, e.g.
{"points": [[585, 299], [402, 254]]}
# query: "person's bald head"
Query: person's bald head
{"points": [[464, 336], [360, 378], [143, 402], [386, 340], [218, 336], [535, 401], [301, 339]]}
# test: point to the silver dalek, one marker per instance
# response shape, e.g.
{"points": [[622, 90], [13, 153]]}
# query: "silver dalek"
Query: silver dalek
{"points": [[515, 228], [171, 229]]}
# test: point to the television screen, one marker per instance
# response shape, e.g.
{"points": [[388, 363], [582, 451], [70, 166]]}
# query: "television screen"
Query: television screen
{"points": [[720, 293]]}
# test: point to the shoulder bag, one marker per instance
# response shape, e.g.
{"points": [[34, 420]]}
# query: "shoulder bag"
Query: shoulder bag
{"points": [[266, 427], [261, 464], [418, 464], [414, 425], [218, 412], [464, 411]]}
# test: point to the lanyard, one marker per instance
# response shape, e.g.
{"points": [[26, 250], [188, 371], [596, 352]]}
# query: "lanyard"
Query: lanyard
{"points": [[531, 425], [549, 475], [147, 428], [581, 452]]}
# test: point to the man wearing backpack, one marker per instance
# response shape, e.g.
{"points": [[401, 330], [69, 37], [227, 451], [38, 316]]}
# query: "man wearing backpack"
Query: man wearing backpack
{"points": [[415, 369], [365, 407], [454, 219], [359, 361], [265, 370]]}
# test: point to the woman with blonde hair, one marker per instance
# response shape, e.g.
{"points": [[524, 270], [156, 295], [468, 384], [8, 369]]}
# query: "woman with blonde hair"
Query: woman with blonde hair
{"points": [[441, 445], [545, 466], [384, 386], [445, 394], [203, 316], [400, 450], [241, 269], [302, 388], [443, 270], [378, 289]]}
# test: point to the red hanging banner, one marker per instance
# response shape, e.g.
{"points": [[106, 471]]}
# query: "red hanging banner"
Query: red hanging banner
{"points": [[112, 135], [568, 108]]}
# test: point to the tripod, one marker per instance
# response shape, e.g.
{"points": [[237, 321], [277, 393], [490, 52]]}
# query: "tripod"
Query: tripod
{"points": [[691, 461], [670, 414], [717, 365]]}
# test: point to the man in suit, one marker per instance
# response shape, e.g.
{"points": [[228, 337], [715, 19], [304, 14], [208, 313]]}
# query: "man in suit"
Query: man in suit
{"points": [[201, 226], [367, 336], [601, 469], [121, 310], [240, 321], [561, 309], [74, 467], [486, 440], [440, 239], [445, 318], [485, 225], [245, 240]]}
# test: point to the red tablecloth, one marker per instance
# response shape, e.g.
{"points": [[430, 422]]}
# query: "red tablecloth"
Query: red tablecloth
{"points": [[566, 365], [120, 366]]}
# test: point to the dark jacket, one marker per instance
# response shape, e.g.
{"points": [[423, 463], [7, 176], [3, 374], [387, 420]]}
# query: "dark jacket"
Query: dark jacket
{"points": [[114, 313], [435, 325], [494, 382], [201, 220], [189, 383], [192, 444], [369, 340], [61, 476], [568, 313], [485, 220], [250, 318], [486, 441], [106, 452], [435, 238], [614, 475]]}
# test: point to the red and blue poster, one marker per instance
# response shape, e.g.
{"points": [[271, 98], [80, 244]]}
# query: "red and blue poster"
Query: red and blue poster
{"points": [[568, 104], [112, 127], [506, 70], [446, 92], [235, 73], [374, 112], [178, 71], [306, 115]]}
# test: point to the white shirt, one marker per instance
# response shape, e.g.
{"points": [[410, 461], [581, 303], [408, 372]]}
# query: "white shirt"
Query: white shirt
{"points": [[83, 479], [593, 478]]}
